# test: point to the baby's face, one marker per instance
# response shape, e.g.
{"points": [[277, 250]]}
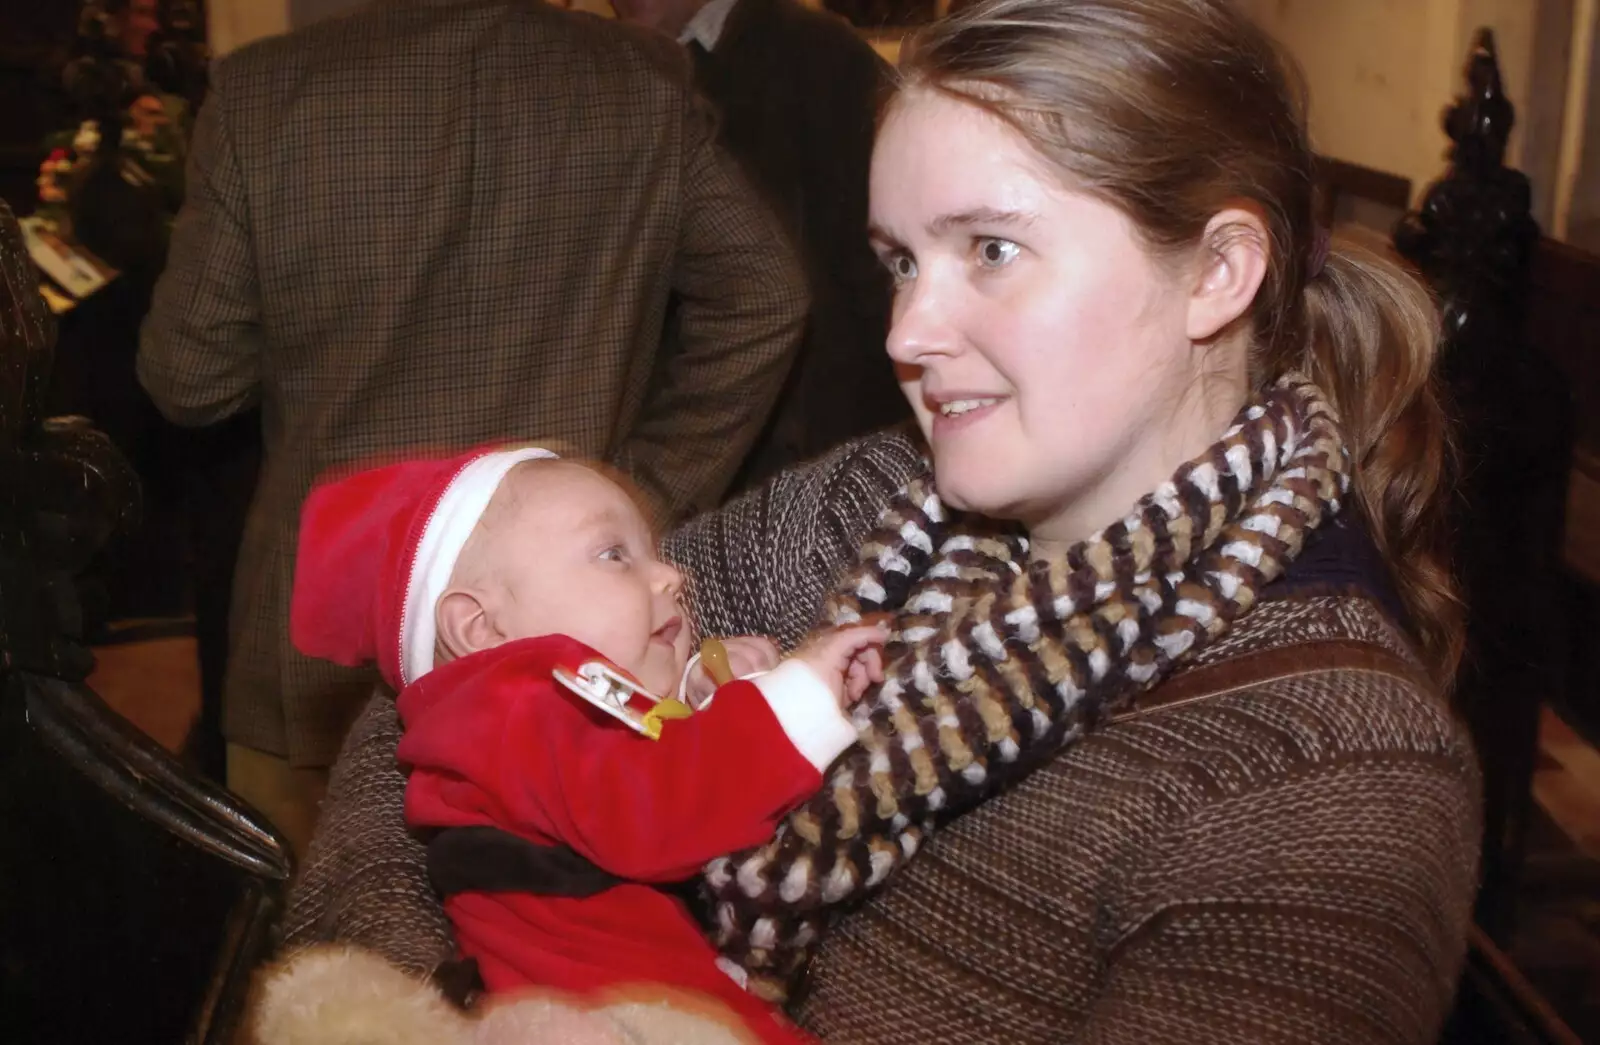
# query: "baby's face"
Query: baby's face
{"points": [[568, 552]]}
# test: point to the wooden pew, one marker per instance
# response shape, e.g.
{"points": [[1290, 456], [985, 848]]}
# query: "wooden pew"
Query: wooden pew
{"points": [[1474, 239], [1349, 194], [1496, 1005], [1519, 363], [136, 896], [1564, 324]]}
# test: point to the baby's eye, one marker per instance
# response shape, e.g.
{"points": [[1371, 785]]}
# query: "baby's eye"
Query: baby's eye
{"points": [[901, 266], [994, 252], [615, 553]]}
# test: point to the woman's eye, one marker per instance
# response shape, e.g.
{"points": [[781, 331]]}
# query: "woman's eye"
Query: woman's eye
{"points": [[901, 267], [996, 253]]}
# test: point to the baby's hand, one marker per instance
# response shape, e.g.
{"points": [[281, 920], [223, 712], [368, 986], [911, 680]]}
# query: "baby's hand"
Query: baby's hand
{"points": [[747, 655], [848, 659]]}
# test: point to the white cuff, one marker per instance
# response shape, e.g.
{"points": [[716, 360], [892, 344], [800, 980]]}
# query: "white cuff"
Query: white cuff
{"points": [[807, 711]]}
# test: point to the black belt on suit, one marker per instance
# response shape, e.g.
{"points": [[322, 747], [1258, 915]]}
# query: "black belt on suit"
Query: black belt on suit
{"points": [[488, 860]]}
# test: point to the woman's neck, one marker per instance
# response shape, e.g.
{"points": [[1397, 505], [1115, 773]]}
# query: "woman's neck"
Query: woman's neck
{"points": [[1195, 426]]}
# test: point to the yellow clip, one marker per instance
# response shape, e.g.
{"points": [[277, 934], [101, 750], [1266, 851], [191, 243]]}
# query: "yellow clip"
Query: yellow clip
{"points": [[666, 708]]}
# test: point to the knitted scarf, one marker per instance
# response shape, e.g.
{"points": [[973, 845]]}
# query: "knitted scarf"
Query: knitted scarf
{"points": [[999, 657]]}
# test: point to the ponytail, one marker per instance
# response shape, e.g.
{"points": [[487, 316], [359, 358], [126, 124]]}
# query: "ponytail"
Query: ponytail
{"points": [[1371, 342]]}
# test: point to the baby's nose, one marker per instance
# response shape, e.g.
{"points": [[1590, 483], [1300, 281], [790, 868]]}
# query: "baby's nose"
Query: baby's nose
{"points": [[670, 580]]}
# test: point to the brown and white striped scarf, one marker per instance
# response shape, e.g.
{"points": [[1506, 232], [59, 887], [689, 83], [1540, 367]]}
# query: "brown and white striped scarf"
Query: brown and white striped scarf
{"points": [[998, 657]]}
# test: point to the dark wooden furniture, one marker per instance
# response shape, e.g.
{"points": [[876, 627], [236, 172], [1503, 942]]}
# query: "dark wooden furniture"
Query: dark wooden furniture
{"points": [[1350, 194], [137, 897], [86, 61], [1474, 239], [1511, 304], [1496, 1005], [1563, 324]]}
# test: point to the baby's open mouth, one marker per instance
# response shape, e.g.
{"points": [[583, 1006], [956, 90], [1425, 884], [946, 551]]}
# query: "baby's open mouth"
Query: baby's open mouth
{"points": [[668, 632]]}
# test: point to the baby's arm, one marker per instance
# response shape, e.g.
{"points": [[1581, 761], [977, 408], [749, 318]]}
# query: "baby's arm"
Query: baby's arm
{"points": [[718, 781], [847, 660]]}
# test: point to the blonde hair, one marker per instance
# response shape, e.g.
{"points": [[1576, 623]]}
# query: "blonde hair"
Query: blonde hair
{"points": [[1173, 110]]}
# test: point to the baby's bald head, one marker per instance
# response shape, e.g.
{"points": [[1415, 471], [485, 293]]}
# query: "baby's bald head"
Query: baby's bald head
{"points": [[564, 549]]}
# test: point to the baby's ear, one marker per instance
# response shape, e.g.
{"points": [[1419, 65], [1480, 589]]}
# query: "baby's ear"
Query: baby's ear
{"points": [[463, 624]]}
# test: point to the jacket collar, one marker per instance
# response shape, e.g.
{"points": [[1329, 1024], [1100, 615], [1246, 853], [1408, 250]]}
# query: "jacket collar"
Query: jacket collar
{"points": [[707, 25]]}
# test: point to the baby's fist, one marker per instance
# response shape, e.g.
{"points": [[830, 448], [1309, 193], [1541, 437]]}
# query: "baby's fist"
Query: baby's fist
{"points": [[849, 659]]}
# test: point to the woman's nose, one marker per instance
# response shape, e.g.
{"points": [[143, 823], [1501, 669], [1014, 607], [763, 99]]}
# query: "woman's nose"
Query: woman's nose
{"points": [[921, 326]]}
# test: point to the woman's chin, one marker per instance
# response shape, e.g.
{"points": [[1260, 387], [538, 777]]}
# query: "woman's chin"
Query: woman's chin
{"points": [[977, 493], [966, 493]]}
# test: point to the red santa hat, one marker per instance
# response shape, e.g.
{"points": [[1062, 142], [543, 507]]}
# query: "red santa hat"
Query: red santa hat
{"points": [[376, 552]]}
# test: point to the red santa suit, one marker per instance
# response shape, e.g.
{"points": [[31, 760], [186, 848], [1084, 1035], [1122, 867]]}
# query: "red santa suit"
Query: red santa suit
{"points": [[493, 740]]}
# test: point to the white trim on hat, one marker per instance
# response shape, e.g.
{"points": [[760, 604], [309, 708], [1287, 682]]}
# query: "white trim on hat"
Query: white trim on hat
{"points": [[460, 507]]}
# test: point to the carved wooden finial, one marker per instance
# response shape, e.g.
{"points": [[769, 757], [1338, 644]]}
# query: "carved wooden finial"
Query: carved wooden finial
{"points": [[1474, 234], [1479, 123]]}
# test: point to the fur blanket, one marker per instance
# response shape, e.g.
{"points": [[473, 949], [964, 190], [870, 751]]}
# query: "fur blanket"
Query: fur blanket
{"points": [[336, 995]]}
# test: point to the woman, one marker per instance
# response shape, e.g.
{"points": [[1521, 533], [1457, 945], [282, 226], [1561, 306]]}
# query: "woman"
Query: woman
{"points": [[1161, 755]]}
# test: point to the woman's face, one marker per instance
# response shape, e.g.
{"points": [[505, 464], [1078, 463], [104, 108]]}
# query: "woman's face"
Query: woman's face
{"points": [[1043, 349]]}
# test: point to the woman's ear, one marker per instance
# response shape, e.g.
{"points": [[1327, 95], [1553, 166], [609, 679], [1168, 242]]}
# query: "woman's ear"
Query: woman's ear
{"points": [[464, 625], [1233, 262]]}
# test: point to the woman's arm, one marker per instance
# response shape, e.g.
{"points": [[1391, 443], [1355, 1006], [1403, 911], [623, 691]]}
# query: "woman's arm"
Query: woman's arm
{"points": [[1325, 907], [365, 879], [763, 564]]}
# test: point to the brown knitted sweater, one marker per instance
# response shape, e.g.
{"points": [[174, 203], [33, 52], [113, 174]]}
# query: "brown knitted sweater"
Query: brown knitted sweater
{"points": [[1277, 844]]}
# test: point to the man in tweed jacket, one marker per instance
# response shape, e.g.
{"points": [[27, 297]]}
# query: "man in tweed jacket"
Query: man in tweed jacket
{"points": [[439, 223], [796, 90]]}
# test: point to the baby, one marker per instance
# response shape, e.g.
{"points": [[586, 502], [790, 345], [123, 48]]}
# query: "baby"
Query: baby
{"points": [[516, 603]]}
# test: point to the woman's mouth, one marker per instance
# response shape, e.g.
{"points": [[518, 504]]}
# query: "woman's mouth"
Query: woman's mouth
{"points": [[950, 415], [668, 633]]}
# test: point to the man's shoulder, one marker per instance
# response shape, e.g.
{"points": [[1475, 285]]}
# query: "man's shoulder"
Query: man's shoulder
{"points": [[658, 53], [397, 41]]}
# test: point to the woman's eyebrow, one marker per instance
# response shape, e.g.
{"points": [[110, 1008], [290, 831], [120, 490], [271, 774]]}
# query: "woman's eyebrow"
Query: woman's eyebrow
{"points": [[989, 216], [979, 216]]}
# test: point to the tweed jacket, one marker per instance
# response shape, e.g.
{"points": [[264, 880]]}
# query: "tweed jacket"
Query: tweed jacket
{"points": [[797, 91], [438, 223], [1277, 844]]}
